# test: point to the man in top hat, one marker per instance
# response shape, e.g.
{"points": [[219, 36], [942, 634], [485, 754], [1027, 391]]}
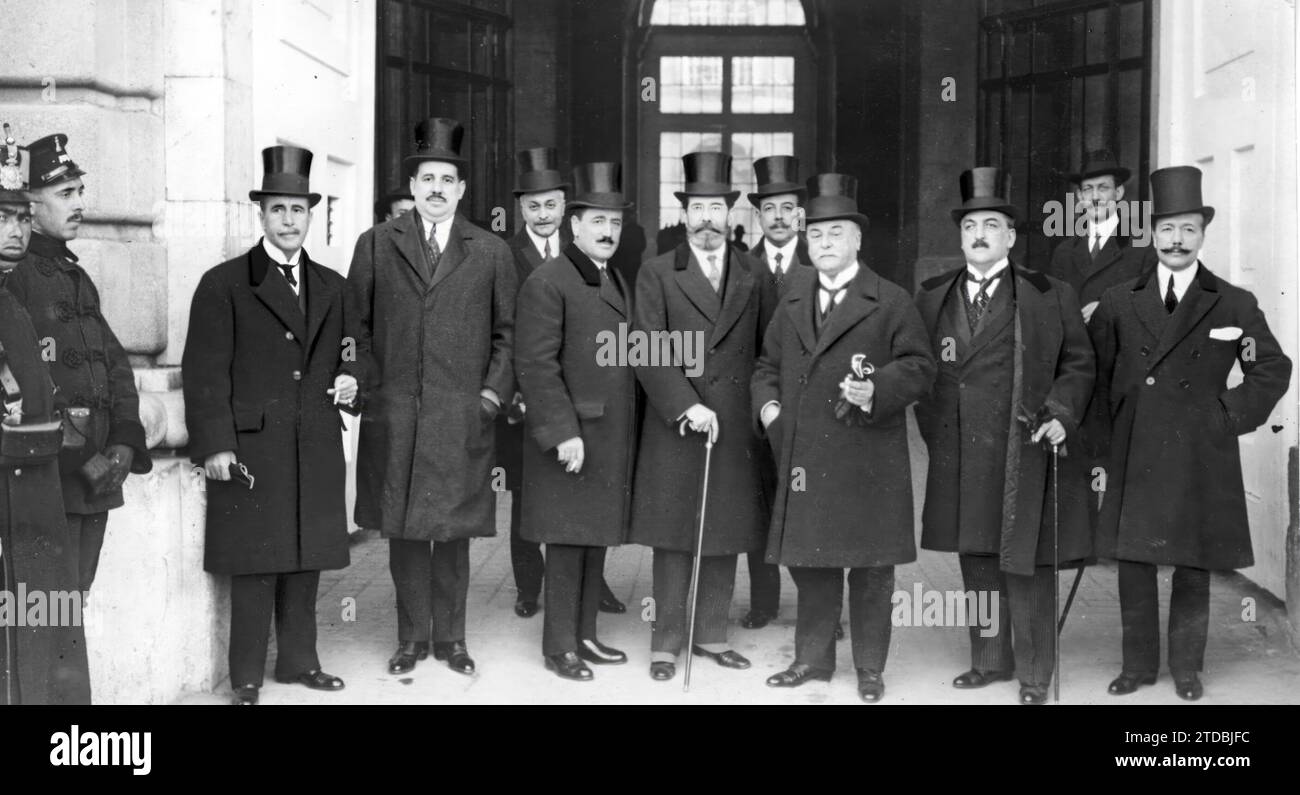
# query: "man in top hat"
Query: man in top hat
{"points": [[540, 191], [581, 419], [90, 368], [1166, 342], [395, 203], [267, 367], [436, 298], [704, 294], [43, 664], [1015, 376], [843, 358], [1104, 255], [778, 202]]}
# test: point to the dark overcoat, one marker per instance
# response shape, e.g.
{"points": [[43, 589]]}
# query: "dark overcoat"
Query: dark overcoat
{"points": [[90, 368], [574, 384], [49, 661], [256, 371], [1052, 372], [1174, 491], [426, 448], [844, 495], [1120, 260], [674, 296], [510, 435]]}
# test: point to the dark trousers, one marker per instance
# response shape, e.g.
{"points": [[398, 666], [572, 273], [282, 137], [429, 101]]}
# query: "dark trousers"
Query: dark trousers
{"points": [[253, 598], [525, 556], [672, 585], [1026, 632], [764, 584], [86, 532], [573, 584], [821, 595], [1189, 618], [432, 581]]}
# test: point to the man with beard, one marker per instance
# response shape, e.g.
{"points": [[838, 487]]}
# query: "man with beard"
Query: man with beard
{"points": [[1166, 344], [581, 419], [540, 192], [90, 367], [839, 431], [706, 295], [1015, 375], [42, 664], [436, 300]]}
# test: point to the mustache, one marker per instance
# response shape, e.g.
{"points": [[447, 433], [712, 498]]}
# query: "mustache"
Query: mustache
{"points": [[436, 195], [1176, 250], [979, 244], [75, 217], [605, 239], [707, 226]]}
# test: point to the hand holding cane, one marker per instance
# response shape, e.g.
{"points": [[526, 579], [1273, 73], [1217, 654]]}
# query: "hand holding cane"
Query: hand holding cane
{"points": [[693, 595]]}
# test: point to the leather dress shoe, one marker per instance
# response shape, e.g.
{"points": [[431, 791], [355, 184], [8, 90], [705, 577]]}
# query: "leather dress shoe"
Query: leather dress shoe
{"points": [[1188, 687], [407, 654], [610, 604], [662, 671], [1126, 683], [526, 608], [456, 656], [593, 651], [568, 666], [727, 659], [756, 619], [839, 632], [316, 680], [976, 678], [1033, 694], [244, 696], [871, 685], [796, 675]]}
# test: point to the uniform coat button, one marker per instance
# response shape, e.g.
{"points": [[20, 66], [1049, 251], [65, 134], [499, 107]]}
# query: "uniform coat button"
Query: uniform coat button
{"points": [[288, 335], [1150, 381], [18, 472], [297, 375]]}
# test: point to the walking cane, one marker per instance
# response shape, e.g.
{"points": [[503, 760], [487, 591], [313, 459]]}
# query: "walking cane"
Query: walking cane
{"points": [[695, 566], [1056, 597]]}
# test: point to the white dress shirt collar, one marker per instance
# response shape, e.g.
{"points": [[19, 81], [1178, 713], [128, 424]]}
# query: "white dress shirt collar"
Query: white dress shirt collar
{"points": [[539, 242], [441, 230], [1103, 231], [1182, 279], [972, 284], [842, 278], [702, 257], [277, 256], [788, 254]]}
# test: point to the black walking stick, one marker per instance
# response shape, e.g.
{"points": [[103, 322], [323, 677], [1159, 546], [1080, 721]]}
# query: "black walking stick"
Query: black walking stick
{"points": [[1056, 596], [695, 565]]}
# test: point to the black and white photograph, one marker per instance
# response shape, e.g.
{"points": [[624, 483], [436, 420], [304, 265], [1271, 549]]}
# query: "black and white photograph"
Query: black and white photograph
{"points": [[650, 352]]}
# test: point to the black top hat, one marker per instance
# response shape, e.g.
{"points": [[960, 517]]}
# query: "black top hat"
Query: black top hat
{"points": [[385, 203], [539, 171], [599, 185], [15, 165], [437, 139], [776, 175], [984, 188], [50, 163], [1100, 163], [707, 174], [833, 197], [1177, 190], [285, 172]]}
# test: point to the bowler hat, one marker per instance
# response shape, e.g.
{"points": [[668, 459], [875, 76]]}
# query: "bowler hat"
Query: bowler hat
{"points": [[777, 175], [707, 174], [539, 171], [599, 185], [285, 172], [1177, 190], [437, 139], [15, 172], [984, 188], [833, 197], [1100, 163], [385, 203], [50, 162]]}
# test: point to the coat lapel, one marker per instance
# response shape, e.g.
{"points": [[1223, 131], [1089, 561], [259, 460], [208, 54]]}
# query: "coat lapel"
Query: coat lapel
{"points": [[408, 237], [523, 244], [739, 286], [1201, 296], [320, 300], [1000, 312], [798, 305], [591, 277], [690, 278], [275, 293], [858, 303], [455, 253], [1147, 305]]}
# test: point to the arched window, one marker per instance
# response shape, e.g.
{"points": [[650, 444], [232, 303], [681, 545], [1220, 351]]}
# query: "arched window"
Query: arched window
{"points": [[730, 75]]}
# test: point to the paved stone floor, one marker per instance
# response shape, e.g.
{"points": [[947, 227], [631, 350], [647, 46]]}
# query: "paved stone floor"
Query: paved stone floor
{"points": [[1247, 662]]}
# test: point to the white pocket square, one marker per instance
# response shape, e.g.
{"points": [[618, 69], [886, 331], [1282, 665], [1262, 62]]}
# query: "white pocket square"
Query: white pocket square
{"points": [[1226, 333]]}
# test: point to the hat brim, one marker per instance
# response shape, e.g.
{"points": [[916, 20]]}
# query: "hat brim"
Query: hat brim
{"points": [[1120, 173], [564, 186], [14, 197], [1206, 211], [257, 195], [858, 218], [1005, 209], [599, 204], [797, 190], [74, 173], [730, 196]]}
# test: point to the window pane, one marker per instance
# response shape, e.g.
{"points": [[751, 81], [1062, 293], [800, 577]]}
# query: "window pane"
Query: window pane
{"points": [[727, 12], [690, 84], [1131, 33], [762, 84]]}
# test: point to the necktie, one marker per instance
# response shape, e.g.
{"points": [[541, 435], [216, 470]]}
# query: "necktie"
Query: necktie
{"points": [[1171, 300], [976, 306], [778, 275], [715, 278], [1093, 248], [830, 299], [546, 253], [434, 250], [287, 270]]}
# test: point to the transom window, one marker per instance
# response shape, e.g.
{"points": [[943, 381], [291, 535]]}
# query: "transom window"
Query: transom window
{"points": [[727, 12]]}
